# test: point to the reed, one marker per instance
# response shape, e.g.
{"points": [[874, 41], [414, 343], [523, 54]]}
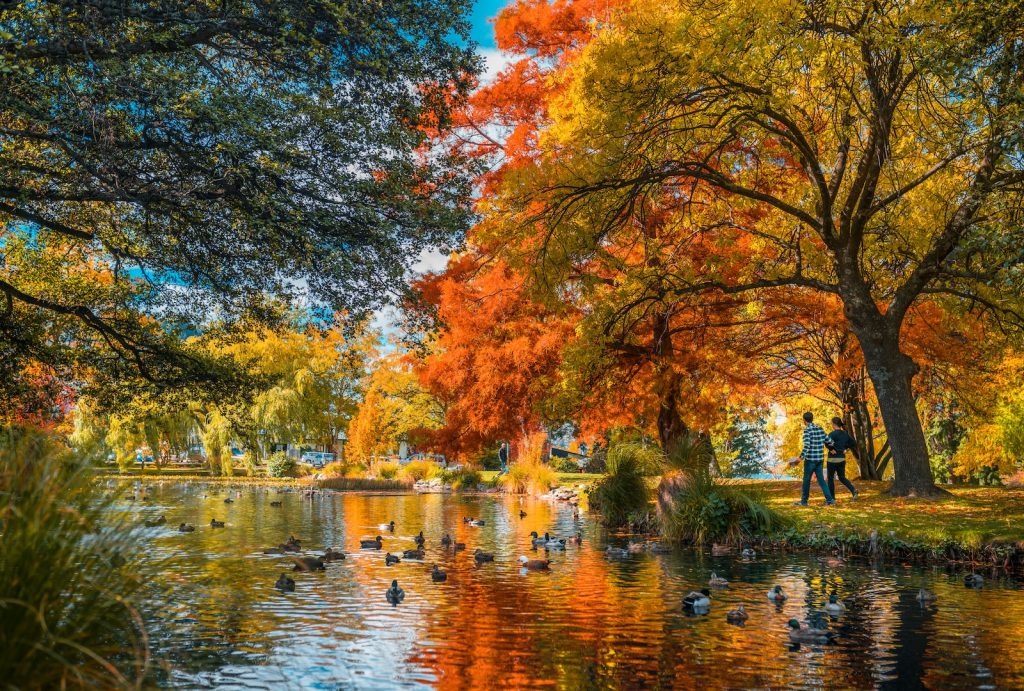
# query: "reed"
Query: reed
{"points": [[70, 576]]}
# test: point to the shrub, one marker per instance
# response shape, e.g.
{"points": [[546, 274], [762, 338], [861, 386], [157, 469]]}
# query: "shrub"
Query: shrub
{"points": [[420, 470], [338, 469], [527, 478], [565, 465], [702, 510], [362, 484], [622, 497], [467, 478], [70, 574], [598, 462], [280, 465], [384, 470]]}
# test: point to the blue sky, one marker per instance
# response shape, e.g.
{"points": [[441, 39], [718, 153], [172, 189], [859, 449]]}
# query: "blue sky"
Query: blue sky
{"points": [[482, 31]]}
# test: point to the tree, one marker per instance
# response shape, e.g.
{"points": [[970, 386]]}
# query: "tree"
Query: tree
{"points": [[858, 149], [395, 407], [239, 151]]}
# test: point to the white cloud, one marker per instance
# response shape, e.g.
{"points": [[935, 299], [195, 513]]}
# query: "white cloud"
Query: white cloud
{"points": [[494, 62]]}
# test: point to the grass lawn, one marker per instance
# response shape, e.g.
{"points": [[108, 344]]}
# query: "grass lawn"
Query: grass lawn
{"points": [[973, 515], [563, 478]]}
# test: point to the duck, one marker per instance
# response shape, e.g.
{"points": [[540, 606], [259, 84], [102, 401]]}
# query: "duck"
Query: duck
{"points": [[925, 595], [522, 514], [390, 559], [482, 556], [477, 523], [577, 539], [419, 539], [446, 540], [155, 522], [394, 594], [718, 550], [275, 504], [973, 580], [834, 605], [375, 543], [467, 519], [737, 616], [748, 553], [835, 561], [292, 544], [333, 555], [187, 528], [308, 564], [229, 500], [285, 583], [214, 523], [808, 634], [538, 541], [555, 544], [635, 547], [776, 594], [698, 600], [458, 546], [616, 551], [390, 527], [717, 581], [437, 575], [413, 553], [534, 564]]}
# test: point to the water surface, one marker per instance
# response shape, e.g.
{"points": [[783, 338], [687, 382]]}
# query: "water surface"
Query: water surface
{"points": [[591, 622]]}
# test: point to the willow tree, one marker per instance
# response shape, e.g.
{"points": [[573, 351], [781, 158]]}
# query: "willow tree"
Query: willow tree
{"points": [[215, 153], [867, 150]]}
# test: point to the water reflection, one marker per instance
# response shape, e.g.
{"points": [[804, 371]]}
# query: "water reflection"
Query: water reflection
{"points": [[590, 622]]}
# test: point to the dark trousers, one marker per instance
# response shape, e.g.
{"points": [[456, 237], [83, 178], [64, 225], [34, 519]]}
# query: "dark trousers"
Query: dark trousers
{"points": [[816, 471], [840, 470]]}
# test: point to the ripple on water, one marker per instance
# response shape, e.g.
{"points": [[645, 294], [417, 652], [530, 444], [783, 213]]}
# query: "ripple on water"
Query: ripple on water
{"points": [[591, 622]]}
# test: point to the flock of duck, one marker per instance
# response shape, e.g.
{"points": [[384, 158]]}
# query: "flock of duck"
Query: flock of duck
{"points": [[395, 594], [696, 602], [816, 631]]}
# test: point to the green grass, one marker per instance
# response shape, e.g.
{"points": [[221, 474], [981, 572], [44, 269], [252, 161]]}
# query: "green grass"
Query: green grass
{"points": [[563, 478], [979, 515]]}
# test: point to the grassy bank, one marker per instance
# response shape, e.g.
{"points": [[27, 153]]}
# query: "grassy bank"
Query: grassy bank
{"points": [[489, 476], [976, 523]]}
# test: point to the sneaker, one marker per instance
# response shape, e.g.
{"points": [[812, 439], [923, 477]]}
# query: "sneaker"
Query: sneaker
{"points": [[799, 503], [830, 503], [855, 495]]}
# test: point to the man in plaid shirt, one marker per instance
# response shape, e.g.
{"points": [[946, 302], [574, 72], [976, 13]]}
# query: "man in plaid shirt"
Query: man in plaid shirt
{"points": [[813, 455]]}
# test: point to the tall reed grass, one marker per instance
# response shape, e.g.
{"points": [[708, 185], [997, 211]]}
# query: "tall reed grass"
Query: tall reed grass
{"points": [[70, 580]]}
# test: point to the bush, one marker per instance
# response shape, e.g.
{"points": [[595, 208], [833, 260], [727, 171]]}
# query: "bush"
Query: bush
{"points": [[598, 462], [489, 460], [564, 465], [622, 497], [420, 470], [700, 509], [466, 478], [384, 470], [527, 478], [70, 574], [280, 465]]}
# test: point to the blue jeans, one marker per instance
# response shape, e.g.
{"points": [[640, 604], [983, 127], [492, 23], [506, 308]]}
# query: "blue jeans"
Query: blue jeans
{"points": [[815, 470]]}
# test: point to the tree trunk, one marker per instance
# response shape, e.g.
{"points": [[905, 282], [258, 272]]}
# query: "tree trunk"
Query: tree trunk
{"points": [[858, 423], [892, 373]]}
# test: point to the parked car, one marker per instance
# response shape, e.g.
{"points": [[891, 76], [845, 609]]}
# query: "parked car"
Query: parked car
{"points": [[317, 459]]}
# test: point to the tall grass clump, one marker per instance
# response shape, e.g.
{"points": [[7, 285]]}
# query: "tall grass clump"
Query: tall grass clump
{"points": [[384, 470], [420, 470], [529, 474], [69, 580], [701, 510], [622, 496]]}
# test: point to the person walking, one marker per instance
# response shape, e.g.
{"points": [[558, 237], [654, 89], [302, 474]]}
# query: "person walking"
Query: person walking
{"points": [[813, 456], [841, 442], [503, 458]]}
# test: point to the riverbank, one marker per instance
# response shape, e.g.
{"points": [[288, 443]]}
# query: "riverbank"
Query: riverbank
{"points": [[976, 524]]}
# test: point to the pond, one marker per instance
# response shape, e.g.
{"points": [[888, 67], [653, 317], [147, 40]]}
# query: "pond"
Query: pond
{"points": [[590, 622]]}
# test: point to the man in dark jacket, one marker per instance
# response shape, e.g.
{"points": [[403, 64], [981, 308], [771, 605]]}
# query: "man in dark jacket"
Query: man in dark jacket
{"points": [[841, 442]]}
